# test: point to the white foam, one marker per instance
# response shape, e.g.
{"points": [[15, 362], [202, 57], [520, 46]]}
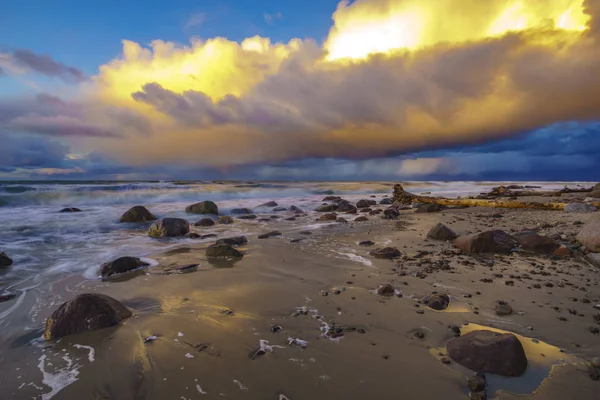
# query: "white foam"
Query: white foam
{"points": [[91, 351], [240, 384], [354, 257], [59, 380], [188, 355], [200, 389], [292, 341], [264, 346]]}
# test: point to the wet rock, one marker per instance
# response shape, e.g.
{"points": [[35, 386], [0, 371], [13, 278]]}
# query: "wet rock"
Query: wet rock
{"points": [[277, 209], [86, 312], [250, 216], [121, 265], [290, 219], [589, 236], [495, 241], [222, 251], [5, 260], [193, 235], [386, 253], [327, 208], [595, 362], [70, 210], [437, 301], [365, 210], [269, 204], [225, 220], [593, 258], [366, 243], [361, 219], [365, 203], [488, 351], [204, 207], [233, 241], [502, 308], [276, 328], [237, 211], [137, 214], [390, 213], [342, 220], [478, 395], [347, 208], [169, 227], [296, 210], [441, 232], [327, 217], [205, 222], [269, 235], [430, 208], [386, 290], [386, 201], [579, 208], [477, 382], [531, 241]]}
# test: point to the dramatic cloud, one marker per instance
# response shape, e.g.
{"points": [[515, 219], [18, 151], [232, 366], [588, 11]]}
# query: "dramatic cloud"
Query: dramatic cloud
{"points": [[392, 78], [46, 65]]}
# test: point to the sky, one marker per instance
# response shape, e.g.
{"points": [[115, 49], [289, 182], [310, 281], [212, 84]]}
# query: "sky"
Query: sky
{"points": [[312, 90]]}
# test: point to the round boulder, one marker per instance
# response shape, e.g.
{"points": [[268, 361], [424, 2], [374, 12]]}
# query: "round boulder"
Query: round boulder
{"points": [[204, 207], [347, 208], [327, 208], [225, 219], [361, 219], [365, 203], [489, 351], [237, 211], [502, 308], [137, 214], [387, 200], [86, 312], [205, 222], [390, 213], [169, 227], [233, 241], [495, 241], [121, 265], [441, 232], [5, 261], [386, 253], [222, 251], [70, 210], [269, 204], [437, 301], [327, 217]]}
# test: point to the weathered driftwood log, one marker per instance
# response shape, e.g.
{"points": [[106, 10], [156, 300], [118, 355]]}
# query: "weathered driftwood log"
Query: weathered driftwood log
{"points": [[404, 197], [512, 191]]}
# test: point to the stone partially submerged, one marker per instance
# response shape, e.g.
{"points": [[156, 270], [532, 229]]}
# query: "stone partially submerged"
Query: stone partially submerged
{"points": [[437, 301], [86, 312], [386, 253], [137, 214], [489, 351], [222, 251], [169, 227], [121, 265], [5, 261], [204, 207], [495, 241]]}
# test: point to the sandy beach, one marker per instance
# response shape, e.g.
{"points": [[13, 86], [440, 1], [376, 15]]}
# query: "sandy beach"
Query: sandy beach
{"points": [[309, 299]]}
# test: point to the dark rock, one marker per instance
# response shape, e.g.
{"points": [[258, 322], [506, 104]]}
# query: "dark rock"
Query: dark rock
{"points": [[495, 241], [290, 219], [169, 227], [365, 203], [194, 235], [430, 208], [346, 207], [225, 220], [5, 260], [390, 213], [276, 328], [296, 210], [441, 232], [342, 220], [137, 214], [222, 251], [327, 217], [437, 301], [477, 382], [233, 241], [86, 312], [204, 207], [386, 290], [236, 211], [366, 243], [488, 351], [531, 241], [589, 236], [205, 222], [365, 210], [386, 252], [277, 209], [70, 210], [579, 208], [327, 208], [269, 235], [361, 219], [331, 198], [386, 201], [592, 258], [250, 216], [121, 265], [7, 297], [269, 204], [502, 308]]}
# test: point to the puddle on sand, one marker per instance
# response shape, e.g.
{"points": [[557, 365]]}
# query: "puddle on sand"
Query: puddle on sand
{"points": [[541, 357]]}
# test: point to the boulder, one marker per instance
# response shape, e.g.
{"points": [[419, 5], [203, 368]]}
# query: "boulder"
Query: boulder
{"points": [[589, 236], [236, 211], [5, 261], [296, 210], [562, 251], [277, 209], [137, 214], [531, 241], [365, 203], [327, 208], [331, 198], [269, 204], [205, 222], [347, 208], [386, 252], [233, 241], [437, 301], [342, 220], [430, 208], [204, 207], [441, 232], [121, 265], [249, 216], [269, 235], [387, 200], [579, 208], [596, 187], [489, 351], [222, 251], [361, 219], [502, 308], [86, 312], [495, 241], [386, 290], [593, 258], [366, 243], [225, 219], [70, 210], [169, 227], [594, 194], [391, 213], [328, 217], [365, 210]]}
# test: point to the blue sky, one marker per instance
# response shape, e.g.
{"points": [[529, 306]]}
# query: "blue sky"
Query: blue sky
{"points": [[73, 105]]}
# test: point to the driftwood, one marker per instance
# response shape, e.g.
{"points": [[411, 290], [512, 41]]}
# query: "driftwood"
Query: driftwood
{"points": [[521, 191], [404, 197]]}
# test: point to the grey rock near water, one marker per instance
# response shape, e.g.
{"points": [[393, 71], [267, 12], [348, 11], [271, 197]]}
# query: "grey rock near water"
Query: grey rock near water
{"points": [[233, 241], [247, 216], [204, 207], [441, 232], [222, 251], [205, 222], [429, 208], [236, 211], [361, 219], [121, 265], [495, 241], [70, 210], [327, 217], [225, 220], [347, 207], [391, 213], [86, 312], [269, 204], [531, 241], [269, 235], [502, 308], [579, 208], [386, 253], [327, 208], [489, 351], [386, 290], [365, 203], [137, 214], [437, 301], [387, 200], [5, 260], [169, 227], [589, 236], [277, 209]]}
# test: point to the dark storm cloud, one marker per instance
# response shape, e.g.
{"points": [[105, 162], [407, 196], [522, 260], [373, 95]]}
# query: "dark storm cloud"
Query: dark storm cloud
{"points": [[46, 65]]}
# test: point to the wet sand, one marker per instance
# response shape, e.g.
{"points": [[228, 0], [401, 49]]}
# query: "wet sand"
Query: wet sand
{"points": [[207, 325]]}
